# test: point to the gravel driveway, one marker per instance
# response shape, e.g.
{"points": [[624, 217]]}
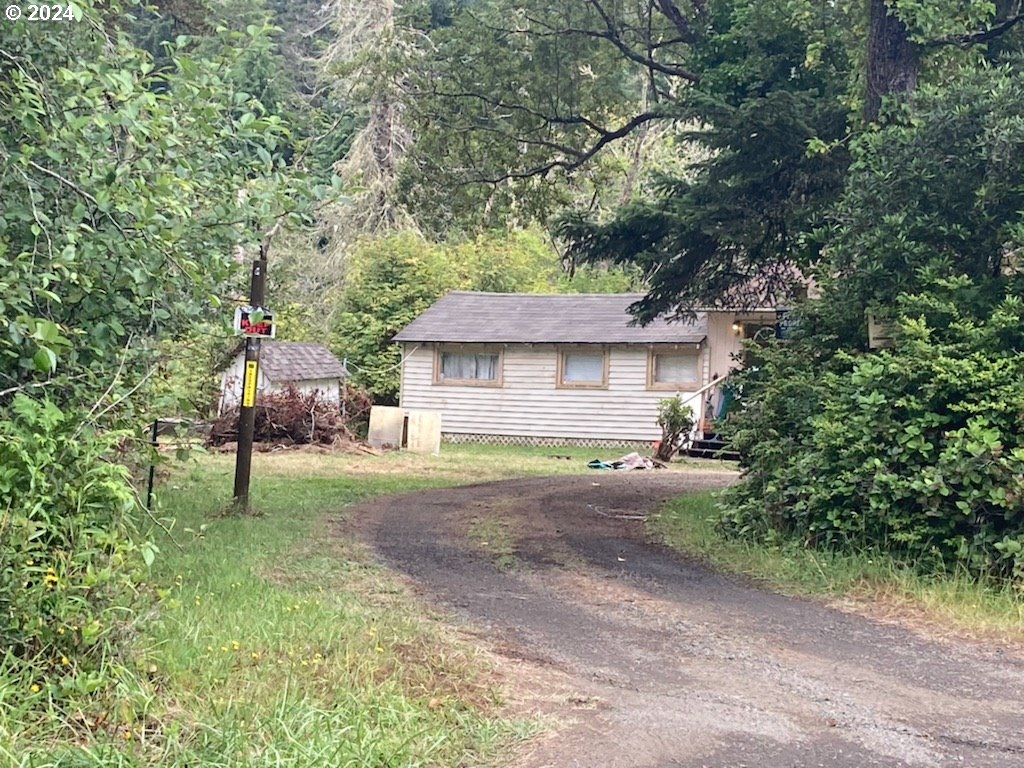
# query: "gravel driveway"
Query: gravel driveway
{"points": [[647, 659]]}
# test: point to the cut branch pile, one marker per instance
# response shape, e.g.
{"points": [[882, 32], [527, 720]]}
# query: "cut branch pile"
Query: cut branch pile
{"points": [[291, 417]]}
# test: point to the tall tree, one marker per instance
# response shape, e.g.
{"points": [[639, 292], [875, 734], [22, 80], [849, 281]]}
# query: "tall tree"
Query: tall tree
{"points": [[916, 448], [359, 62], [536, 92], [901, 36], [513, 103], [734, 228], [892, 59]]}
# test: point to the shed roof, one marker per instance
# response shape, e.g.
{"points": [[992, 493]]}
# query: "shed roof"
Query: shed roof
{"points": [[299, 361], [543, 318]]}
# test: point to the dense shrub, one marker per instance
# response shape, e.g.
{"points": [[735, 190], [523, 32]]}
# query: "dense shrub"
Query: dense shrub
{"points": [[66, 557], [918, 449]]}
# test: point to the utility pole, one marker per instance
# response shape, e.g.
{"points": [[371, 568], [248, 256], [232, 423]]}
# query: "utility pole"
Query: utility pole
{"points": [[247, 411]]}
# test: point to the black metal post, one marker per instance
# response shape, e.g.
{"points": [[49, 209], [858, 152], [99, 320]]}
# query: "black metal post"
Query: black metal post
{"points": [[247, 410], [152, 465]]}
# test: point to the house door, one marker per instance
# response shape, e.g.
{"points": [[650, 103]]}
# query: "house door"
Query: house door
{"points": [[758, 332]]}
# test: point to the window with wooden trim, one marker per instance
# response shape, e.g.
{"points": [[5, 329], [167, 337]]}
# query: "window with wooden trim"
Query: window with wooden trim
{"points": [[673, 369], [583, 368], [468, 366]]}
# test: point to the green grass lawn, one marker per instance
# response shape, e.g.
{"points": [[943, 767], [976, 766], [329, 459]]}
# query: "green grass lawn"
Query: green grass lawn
{"points": [[284, 647], [872, 583], [271, 640]]}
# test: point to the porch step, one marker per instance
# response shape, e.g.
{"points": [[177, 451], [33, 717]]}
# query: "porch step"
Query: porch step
{"points": [[711, 447]]}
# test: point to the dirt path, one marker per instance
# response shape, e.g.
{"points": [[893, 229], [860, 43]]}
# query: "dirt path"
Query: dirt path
{"points": [[649, 660]]}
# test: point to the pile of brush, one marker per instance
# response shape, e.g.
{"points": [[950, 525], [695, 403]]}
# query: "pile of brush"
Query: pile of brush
{"points": [[293, 417]]}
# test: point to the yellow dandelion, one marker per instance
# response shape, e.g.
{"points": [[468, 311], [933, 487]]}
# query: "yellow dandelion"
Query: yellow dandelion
{"points": [[65, 661], [255, 656], [235, 645], [35, 688], [60, 630], [224, 648]]}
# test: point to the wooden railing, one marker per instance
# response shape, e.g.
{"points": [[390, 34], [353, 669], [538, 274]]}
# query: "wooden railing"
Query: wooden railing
{"points": [[696, 401]]}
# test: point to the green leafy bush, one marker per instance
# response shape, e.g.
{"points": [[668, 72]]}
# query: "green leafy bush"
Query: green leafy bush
{"points": [[187, 379], [129, 188], [918, 449], [676, 421], [66, 557], [111, 236]]}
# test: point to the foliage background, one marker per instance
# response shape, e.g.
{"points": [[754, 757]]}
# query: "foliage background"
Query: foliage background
{"points": [[131, 186], [402, 150]]}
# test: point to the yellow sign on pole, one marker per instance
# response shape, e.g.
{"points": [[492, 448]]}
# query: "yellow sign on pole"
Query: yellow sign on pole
{"points": [[249, 384]]}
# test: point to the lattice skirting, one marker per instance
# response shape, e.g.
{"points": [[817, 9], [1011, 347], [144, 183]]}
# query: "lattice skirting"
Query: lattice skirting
{"points": [[544, 442]]}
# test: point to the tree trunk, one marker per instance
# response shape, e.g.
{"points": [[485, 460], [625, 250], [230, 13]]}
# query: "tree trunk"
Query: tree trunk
{"points": [[1006, 9], [892, 63]]}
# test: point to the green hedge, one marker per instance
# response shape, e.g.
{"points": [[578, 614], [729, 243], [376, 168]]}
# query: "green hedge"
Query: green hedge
{"points": [[918, 450], [66, 552]]}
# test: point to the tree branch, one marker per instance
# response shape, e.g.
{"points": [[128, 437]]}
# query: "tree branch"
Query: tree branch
{"points": [[580, 157], [533, 142], [611, 35], [499, 104], [268, 239], [39, 384], [671, 12], [979, 37], [81, 192]]}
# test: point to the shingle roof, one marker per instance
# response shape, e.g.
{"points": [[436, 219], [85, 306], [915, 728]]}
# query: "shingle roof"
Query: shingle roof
{"points": [[540, 318], [297, 361]]}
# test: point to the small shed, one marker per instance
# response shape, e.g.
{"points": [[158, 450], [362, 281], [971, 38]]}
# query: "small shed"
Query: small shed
{"points": [[306, 366]]}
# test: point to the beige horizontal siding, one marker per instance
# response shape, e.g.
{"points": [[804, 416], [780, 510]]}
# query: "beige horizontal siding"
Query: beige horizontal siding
{"points": [[725, 343], [529, 404]]}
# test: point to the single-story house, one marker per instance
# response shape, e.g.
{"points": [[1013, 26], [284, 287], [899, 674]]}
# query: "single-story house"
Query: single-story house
{"points": [[558, 369], [307, 367]]}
